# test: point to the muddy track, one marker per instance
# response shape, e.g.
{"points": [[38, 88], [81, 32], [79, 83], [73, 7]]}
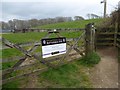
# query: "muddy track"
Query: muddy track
{"points": [[105, 74]]}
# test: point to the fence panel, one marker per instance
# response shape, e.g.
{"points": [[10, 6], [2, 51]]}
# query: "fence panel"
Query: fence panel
{"points": [[73, 52]]}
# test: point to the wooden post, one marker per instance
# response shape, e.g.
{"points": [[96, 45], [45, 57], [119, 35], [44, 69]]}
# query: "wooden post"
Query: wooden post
{"points": [[90, 38], [23, 30], [118, 55], [93, 36], [118, 31], [105, 6]]}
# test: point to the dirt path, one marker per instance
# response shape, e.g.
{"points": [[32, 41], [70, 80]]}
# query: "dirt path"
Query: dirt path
{"points": [[105, 74]]}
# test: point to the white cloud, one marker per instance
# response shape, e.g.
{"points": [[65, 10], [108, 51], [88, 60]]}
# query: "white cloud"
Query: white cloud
{"points": [[27, 9], [49, 1]]}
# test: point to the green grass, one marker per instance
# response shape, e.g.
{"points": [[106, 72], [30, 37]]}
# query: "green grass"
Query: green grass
{"points": [[69, 75], [11, 85], [14, 85], [7, 65], [10, 52], [36, 36], [72, 75], [72, 24], [72, 34], [24, 37], [91, 60], [33, 36]]}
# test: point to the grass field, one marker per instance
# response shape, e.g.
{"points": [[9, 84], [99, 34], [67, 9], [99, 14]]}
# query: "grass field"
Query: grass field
{"points": [[72, 24], [35, 36], [24, 37], [30, 37], [7, 65], [10, 52], [70, 75]]}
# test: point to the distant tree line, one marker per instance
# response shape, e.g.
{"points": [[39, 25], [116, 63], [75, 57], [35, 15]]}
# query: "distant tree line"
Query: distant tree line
{"points": [[25, 24], [22, 24]]}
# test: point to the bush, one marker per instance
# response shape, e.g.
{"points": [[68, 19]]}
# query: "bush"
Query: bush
{"points": [[90, 60]]}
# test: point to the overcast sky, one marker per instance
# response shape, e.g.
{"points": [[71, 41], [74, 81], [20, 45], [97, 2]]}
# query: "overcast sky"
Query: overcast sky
{"points": [[29, 9]]}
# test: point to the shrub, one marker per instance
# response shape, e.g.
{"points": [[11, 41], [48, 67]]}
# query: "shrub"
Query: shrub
{"points": [[90, 60]]}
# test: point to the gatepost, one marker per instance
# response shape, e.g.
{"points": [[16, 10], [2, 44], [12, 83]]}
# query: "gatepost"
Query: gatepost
{"points": [[90, 38]]}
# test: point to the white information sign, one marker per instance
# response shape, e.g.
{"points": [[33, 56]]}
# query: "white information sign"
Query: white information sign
{"points": [[53, 46]]}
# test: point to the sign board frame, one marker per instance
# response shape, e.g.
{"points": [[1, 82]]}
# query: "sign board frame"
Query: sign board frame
{"points": [[53, 46]]}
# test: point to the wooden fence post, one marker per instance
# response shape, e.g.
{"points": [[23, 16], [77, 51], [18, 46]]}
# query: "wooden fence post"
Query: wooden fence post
{"points": [[118, 55], [116, 28], [118, 36], [89, 38]]}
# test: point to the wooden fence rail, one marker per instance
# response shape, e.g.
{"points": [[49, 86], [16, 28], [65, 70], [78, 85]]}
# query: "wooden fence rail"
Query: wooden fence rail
{"points": [[118, 34], [27, 53], [37, 42], [45, 30], [40, 70], [105, 38], [109, 37]]}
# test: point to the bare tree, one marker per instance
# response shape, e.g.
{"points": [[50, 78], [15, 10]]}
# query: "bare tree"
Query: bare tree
{"points": [[92, 16], [78, 18], [4, 26], [88, 15]]}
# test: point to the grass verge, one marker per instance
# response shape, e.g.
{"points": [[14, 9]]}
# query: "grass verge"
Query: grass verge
{"points": [[7, 65], [91, 60], [10, 52], [70, 75], [11, 85]]}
